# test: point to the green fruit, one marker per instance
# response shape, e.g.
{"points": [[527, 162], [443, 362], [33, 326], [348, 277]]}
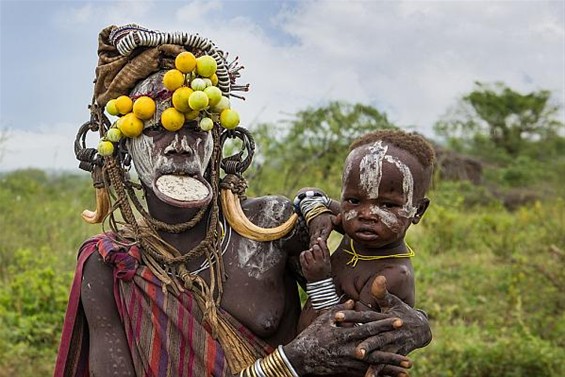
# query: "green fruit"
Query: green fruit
{"points": [[111, 107], [229, 119], [198, 84], [222, 105], [214, 95], [206, 66], [114, 135], [206, 124], [198, 101], [105, 148]]}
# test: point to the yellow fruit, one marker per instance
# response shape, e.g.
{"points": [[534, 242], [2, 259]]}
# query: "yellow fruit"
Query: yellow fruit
{"points": [[191, 115], [105, 148], [173, 79], [130, 125], [185, 62], [144, 107], [123, 104], [214, 79], [114, 135], [172, 119], [111, 107], [180, 99], [229, 119], [206, 66], [198, 101]]}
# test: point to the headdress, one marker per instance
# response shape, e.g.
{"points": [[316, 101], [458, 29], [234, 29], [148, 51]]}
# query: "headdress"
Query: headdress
{"points": [[128, 55]]}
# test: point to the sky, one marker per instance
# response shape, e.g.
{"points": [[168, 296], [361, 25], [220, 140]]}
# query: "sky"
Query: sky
{"points": [[409, 59]]}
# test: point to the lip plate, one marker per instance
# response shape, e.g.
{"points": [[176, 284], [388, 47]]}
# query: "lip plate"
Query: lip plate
{"points": [[184, 203]]}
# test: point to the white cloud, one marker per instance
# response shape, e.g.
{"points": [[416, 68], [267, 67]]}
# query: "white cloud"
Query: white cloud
{"points": [[411, 59], [49, 148]]}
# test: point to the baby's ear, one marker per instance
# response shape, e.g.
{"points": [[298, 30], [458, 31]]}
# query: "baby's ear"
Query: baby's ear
{"points": [[422, 207]]}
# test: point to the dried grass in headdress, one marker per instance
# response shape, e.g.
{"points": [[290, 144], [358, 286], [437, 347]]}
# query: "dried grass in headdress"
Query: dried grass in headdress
{"points": [[117, 74]]}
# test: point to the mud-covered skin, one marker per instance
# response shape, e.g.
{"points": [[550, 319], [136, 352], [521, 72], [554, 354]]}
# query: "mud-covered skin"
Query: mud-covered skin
{"points": [[380, 340]]}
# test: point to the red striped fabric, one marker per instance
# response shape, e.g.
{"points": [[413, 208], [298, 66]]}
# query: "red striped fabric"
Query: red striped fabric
{"points": [[164, 331]]}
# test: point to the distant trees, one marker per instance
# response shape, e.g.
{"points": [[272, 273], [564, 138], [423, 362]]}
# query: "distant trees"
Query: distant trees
{"points": [[310, 149], [494, 115]]}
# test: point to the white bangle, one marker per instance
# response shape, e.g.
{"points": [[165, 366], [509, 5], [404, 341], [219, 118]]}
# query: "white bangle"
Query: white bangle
{"points": [[286, 361]]}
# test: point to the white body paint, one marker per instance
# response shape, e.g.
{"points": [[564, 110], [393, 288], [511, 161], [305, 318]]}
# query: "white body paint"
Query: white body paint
{"points": [[257, 258], [370, 175]]}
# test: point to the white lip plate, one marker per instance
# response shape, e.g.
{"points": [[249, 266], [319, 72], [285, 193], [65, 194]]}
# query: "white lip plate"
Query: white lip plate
{"points": [[181, 187]]}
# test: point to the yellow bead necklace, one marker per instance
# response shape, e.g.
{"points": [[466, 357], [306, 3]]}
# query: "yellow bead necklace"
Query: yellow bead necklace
{"points": [[356, 257]]}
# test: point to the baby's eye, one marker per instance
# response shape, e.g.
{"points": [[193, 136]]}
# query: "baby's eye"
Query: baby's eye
{"points": [[352, 200], [389, 205]]}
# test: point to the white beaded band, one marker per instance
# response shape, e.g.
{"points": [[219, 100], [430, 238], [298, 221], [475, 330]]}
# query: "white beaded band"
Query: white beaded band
{"points": [[322, 294]]}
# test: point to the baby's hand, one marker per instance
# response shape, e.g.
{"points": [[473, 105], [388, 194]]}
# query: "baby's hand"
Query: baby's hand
{"points": [[315, 262]]}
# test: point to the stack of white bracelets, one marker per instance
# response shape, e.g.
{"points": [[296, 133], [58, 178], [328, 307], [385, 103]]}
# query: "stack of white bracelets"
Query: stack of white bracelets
{"points": [[322, 294]]}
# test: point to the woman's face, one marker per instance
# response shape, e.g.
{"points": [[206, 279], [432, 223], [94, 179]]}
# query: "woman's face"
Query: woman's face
{"points": [[171, 164]]}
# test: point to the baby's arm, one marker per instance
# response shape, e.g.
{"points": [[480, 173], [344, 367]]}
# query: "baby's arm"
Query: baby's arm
{"points": [[320, 288]]}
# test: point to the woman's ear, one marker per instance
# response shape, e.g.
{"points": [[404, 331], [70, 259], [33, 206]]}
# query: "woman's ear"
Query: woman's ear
{"points": [[422, 207]]}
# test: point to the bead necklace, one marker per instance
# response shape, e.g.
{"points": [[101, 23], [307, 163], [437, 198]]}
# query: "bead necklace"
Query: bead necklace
{"points": [[356, 257]]}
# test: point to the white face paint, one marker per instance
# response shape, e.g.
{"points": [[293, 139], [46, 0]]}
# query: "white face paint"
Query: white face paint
{"points": [[141, 151], [149, 162], [351, 214], [388, 218], [408, 210], [370, 176]]}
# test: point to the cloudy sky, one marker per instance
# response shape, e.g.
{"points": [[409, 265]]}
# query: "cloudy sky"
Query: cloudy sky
{"points": [[409, 59]]}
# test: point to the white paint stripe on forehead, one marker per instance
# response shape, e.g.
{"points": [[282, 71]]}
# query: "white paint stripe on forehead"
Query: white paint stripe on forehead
{"points": [[371, 169], [407, 185]]}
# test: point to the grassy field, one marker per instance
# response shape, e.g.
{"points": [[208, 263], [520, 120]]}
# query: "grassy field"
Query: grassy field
{"points": [[491, 280]]}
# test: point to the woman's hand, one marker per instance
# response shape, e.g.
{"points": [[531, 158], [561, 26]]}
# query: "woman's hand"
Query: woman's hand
{"points": [[326, 348], [413, 333]]}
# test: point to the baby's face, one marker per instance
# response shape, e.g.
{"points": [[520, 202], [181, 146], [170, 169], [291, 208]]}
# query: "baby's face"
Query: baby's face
{"points": [[380, 193]]}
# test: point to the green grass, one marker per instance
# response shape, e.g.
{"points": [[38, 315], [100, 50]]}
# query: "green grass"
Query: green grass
{"points": [[491, 280]]}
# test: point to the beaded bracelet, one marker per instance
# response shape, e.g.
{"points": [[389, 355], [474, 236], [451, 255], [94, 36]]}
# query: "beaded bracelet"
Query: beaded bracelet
{"points": [[275, 364], [322, 294], [311, 204]]}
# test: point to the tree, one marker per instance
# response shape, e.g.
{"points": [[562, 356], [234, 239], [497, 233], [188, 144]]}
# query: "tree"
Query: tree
{"points": [[508, 120], [310, 148]]}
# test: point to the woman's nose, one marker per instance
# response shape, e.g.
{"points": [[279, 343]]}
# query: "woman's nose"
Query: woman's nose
{"points": [[179, 145]]}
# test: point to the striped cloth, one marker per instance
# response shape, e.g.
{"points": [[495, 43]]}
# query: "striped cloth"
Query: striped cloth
{"points": [[164, 331]]}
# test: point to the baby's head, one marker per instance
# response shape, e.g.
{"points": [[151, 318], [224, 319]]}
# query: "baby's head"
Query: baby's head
{"points": [[385, 179]]}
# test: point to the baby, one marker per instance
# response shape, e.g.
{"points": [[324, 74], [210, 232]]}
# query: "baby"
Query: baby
{"points": [[385, 179]]}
